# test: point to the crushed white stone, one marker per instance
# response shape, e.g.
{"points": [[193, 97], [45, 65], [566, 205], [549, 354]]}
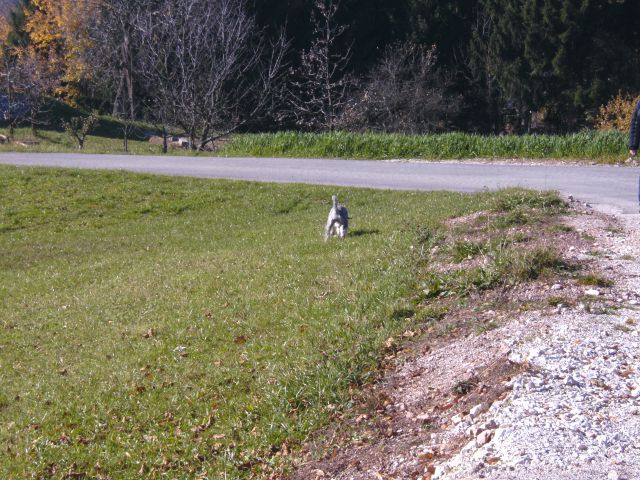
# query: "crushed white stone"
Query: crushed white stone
{"points": [[575, 413]]}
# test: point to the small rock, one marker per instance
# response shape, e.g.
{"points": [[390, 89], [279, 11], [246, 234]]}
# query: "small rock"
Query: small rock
{"points": [[490, 425], [473, 431], [456, 419], [424, 418], [633, 302], [556, 286], [439, 472], [573, 381], [515, 357], [592, 292], [477, 410], [484, 438], [613, 475]]}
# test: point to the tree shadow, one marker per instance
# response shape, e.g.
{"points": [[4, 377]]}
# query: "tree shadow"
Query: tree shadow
{"points": [[362, 232]]}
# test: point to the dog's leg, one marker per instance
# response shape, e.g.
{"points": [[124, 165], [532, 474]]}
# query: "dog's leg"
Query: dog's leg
{"points": [[327, 229]]}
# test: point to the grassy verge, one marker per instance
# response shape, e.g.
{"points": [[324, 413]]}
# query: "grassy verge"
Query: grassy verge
{"points": [[604, 147], [600, 147], [154, 327], [104, 142], [496, 250]]}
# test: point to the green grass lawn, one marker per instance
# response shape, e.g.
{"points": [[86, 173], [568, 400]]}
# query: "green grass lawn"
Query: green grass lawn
{"points": [[182, 328], [599, 147]]}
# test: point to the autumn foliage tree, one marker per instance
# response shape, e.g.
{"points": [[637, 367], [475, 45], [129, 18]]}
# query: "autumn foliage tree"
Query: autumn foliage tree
{"points": [[28, 78], [59, 31]]}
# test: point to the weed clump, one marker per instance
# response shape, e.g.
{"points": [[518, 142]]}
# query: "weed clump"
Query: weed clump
{"points": [[594, 280], [402, 314], [465, 386]]}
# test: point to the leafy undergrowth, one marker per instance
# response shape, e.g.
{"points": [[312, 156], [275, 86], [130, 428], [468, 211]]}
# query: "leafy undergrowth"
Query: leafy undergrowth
{"points": [[183, 328]]}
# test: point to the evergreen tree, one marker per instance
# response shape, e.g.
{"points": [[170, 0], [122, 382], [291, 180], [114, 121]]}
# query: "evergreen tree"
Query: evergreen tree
{"points": [[564, 58]]}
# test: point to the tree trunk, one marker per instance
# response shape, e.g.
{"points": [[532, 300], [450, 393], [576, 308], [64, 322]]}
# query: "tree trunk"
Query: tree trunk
{"points": [[165, 146], [125, 130], [116, 101]]}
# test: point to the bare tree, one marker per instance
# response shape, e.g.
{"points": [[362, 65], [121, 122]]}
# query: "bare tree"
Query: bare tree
{"points": [[404, 93], [28, 81], [13, 105], [114, 57], [207, 66], [113, 53], [321, 90], [37, 80]]}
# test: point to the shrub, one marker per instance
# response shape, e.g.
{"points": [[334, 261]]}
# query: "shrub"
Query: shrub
{"points": [[616, 113], [404, 93], [79, 127]]}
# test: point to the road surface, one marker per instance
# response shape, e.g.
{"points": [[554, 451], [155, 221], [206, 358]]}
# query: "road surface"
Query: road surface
{"points": [[608, 188]]}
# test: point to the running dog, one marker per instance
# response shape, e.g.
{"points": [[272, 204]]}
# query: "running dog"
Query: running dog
{"points": [[338, 221]]}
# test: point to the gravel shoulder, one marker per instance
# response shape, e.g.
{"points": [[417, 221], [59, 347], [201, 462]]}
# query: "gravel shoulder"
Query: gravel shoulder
{"points": [[575, 413], [555, 391]]}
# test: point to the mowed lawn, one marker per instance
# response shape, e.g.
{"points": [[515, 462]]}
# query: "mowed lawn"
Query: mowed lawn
{"points": [[154, 327]]}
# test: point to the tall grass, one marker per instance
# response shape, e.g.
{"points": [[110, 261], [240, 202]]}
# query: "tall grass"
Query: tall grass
{"points": [[602, 146]]}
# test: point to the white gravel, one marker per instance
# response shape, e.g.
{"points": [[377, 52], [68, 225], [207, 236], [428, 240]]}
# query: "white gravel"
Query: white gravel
{"points": [[575, 413]]}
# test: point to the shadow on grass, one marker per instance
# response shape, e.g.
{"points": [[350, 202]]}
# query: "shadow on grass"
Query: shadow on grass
{"points": [[362, 232]]}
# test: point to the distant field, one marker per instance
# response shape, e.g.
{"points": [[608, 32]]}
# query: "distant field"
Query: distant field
{"points": [[181, 328], [601, 147]]}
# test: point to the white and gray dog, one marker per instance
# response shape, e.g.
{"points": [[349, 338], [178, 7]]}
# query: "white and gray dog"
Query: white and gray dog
{"points": [[338, 221]]}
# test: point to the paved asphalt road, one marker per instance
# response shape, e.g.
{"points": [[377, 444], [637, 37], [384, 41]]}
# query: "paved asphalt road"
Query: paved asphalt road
{"points": [[612, 189]]}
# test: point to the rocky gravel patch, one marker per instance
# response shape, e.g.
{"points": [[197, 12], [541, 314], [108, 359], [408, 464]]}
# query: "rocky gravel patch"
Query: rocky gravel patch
{"points": [[575, 413]]}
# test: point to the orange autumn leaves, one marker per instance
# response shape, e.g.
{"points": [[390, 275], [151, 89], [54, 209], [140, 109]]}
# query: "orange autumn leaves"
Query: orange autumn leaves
{"points": [[59, 34]]}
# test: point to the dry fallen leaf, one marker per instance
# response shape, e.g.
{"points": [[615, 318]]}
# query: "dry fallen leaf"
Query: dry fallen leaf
{"points": [[149, 333]]}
